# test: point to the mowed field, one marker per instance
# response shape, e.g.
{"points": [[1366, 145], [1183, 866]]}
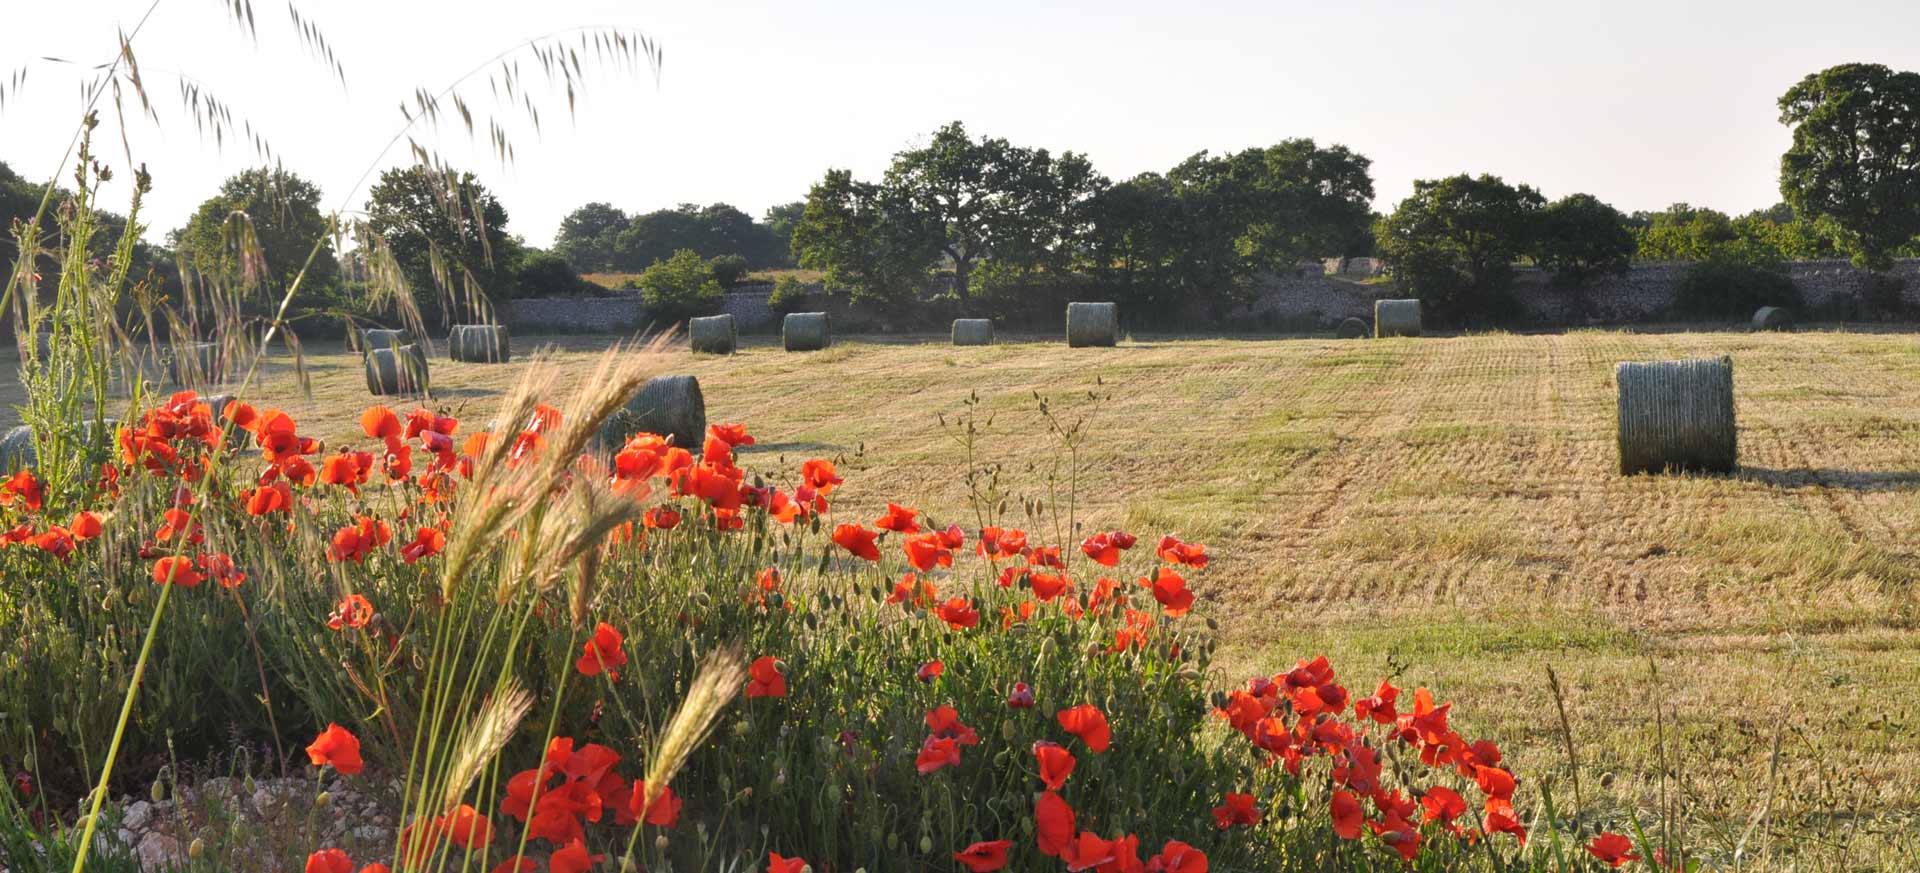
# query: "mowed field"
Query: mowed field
{"points": [[1443, 510]]}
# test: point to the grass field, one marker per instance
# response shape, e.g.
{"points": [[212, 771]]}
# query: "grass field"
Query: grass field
{"points": [[1447, 510]]}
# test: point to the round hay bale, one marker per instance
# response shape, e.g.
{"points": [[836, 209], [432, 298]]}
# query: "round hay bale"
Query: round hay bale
{"points": [[713, 335], [806, 332], [196, 364], [1676, 415], [480, 343], [1093, 324], [1351, 328], [973, 331], [1396, 318], [1772, 318], [401, 370], [670, 406], [237, 437], [16, 450], [380, 338]]}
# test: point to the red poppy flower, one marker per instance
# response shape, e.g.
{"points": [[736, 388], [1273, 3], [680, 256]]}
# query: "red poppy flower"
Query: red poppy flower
{"points": [[958, 613], [858, 540], [426, 543], [766, 679], [912, 589], [734, 435], [929, 671], [925, 551], [1173, 551], [944, 721], [664, 812], [1347, 818], [517, 865], [1178, 857], [1612, 849], [56, 541], [1238, 810], [1442, 804], [1101, 549], [1021, 697], [997, 543], [1171, 591], [777, 864], [1087, 851], [329, 861], [984, 857], [376, 868], [352, 612], [23, 489], [176, 570], [1056, 763], [662, 518], [219, 567], [573, 858], [467, 827], [86, 525], [1379, 707], [937, 752], [769, 579], [1089, 724], [1500, 818], [604, 652], [899, 519], [1053, 824], [379, 423], [819, 475], [1047, 586], [1495, 781], [338, 748]]}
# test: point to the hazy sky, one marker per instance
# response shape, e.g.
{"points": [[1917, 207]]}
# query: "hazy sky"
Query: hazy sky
{"points": [[1640, 103]]}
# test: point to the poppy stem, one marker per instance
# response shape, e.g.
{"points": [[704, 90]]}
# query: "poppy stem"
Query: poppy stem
{"points": [[120, 731]]}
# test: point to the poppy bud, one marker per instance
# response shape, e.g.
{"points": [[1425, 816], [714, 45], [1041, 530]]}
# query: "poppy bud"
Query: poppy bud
{"points": [[1007, 731], [893, 842], [660, 842], [159, 792], [926, 844], [324, 800], [196, 848], [1606, 779]]}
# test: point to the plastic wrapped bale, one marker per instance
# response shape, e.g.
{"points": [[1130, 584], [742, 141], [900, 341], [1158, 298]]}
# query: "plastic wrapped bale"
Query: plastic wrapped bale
{"points": [[973, 331], [16, 450], [1396, 318], [1093, 324], [670, 406], [713, 335], [806, 332], [1772, 318], [380, 338], [1676, 415], [401, 370], [1351, 328], [196, 364], [480, 343]]}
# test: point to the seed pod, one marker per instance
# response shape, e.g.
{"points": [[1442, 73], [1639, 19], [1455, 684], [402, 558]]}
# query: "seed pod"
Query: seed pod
{"points": [[159, 792], [926, 844], [196, 848], [324, 800]]}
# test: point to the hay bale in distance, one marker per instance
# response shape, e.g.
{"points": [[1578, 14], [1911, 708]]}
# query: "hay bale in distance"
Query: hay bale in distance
{"points": [[806, 332], [380, 338], [670, 406], [401, 370], [16, 450], [973, 331], [1676, 415], [1351, 328], [196, 364], [713, 335], [237, 437], [1093, 324], [480, 343], [1396, 318], [1772, 318]]}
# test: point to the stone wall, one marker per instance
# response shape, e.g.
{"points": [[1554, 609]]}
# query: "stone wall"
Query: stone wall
{"points": [[748, 306], [575, 314]]}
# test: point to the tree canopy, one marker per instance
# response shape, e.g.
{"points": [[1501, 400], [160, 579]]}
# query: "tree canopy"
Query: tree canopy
{"points": [[449, 235], [1856, 157], [283, 211], [1453, 243]]}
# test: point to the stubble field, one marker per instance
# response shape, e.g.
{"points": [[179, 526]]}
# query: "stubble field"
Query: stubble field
{"points": [[1443, 509]]}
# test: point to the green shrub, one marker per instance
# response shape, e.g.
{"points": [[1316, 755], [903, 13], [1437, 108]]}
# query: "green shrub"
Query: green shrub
{"points": [[789, 295], [1733, 288], [545, 274], [728, 270], [679, 287]]}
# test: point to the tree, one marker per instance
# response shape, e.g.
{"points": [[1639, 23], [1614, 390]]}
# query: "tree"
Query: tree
{"points": [[449, 235], [1302, 201], [284, 213], [1681, 232], [780, 222], [1580, 238], [709, 231], [866, 238], [1453, 243], [546, 274], [1856, 157], [679, 287], [586, 237]]}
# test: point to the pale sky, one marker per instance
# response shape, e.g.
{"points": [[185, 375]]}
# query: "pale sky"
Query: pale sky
{"points": [[1640, 103]]}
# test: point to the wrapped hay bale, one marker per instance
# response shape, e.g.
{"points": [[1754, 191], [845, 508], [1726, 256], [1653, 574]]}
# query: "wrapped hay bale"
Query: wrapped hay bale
{"points": [[713, 335], [196, 364], [380, 338], [401, 370], [1351, 328], [237, 437], [1093, 324], [1396, 318], [1772, 318], [1676, 415], [670, 406], [973, 331], [16, 450], [479, 343], [806, 332]]}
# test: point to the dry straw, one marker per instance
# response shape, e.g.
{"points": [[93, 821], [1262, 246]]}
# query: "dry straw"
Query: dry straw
{"points": [[1676, 415], [1093, 324], [713, 335], [973, 331], [806, 332], [1396, 318], [480, 343]]}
